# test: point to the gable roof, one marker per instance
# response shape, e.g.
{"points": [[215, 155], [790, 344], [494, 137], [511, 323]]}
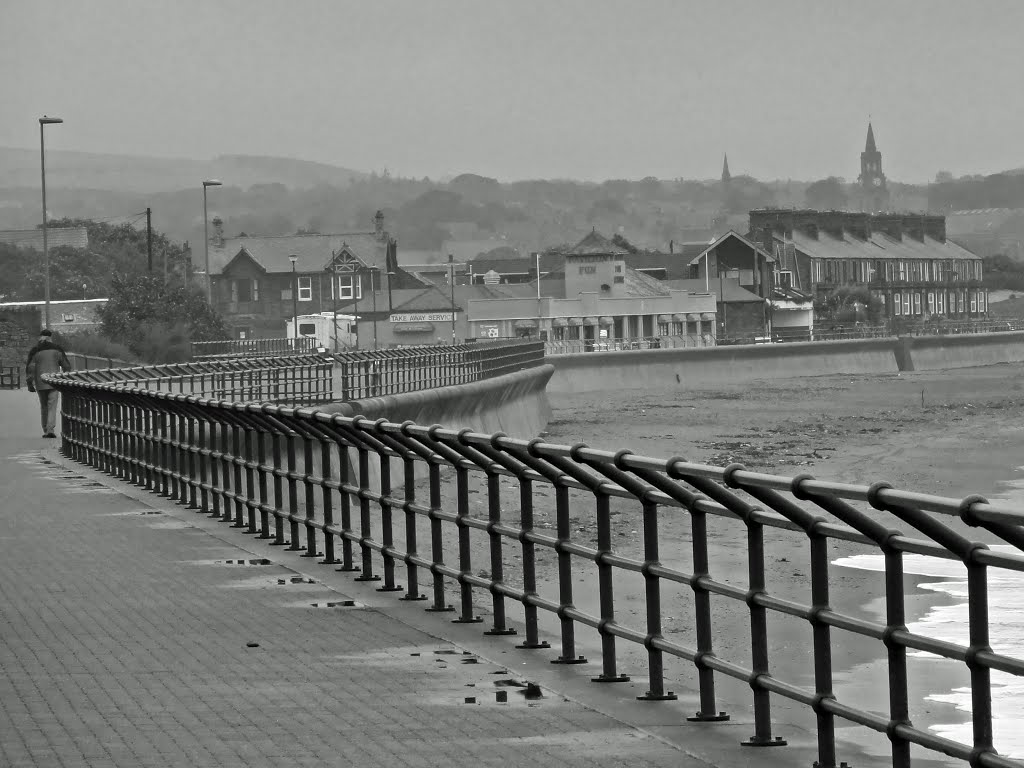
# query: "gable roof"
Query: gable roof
{"points": [[733, 234], [314, 251], [56, 237], [596, 244]]}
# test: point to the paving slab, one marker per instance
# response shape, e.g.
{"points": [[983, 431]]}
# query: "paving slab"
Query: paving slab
{"points": [[135, 632]]}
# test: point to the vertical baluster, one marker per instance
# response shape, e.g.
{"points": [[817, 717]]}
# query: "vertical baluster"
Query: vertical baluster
{"points": [[609, 669], [365, 527], [309, 497], [412, 570], [345, 472], [278, 490], [327, 494], [702, 616], [436, 538], [529, 550], [981, 683], [896, 618], [250, 479], [387, 526], [652, 589], [565, 598], [465, 552], [758, 639], [499, 625], [293, 492]]}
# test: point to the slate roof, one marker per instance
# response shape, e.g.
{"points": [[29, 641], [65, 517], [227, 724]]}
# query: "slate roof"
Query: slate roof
{"points": [[596, 244], [314, 251], [730, 287], [878, 246], [56, 237]]}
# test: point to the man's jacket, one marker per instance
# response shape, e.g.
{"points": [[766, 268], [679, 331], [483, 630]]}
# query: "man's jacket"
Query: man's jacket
{"points": [[45, 357]]}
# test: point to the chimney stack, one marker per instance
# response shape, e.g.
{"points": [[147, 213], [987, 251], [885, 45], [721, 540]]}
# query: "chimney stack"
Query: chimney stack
{"points": [[378, 224], [218, 232]]}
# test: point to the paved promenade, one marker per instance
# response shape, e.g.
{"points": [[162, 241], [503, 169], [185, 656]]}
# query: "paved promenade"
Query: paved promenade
{"points": [[131, 635]]}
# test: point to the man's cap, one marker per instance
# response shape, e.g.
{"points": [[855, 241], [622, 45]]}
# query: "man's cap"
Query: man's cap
{"points": [[46, 332]]}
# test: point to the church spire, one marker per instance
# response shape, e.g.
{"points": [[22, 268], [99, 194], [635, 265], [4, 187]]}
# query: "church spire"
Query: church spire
{"points": [[869, 146], [726, 176]]}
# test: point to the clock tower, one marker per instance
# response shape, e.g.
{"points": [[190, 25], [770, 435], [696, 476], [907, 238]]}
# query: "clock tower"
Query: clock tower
{"points": [[874, 193]]}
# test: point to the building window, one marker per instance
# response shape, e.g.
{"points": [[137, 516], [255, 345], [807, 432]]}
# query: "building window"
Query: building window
{"points": [[588, 270], [917, 303], [786, 279], [245, 290], [897, 305], [346, 286], [903, 271], [305, 289], [931, 302], [982, 301], [974, 303], [618, 268], [940, 302], [619, 279]]}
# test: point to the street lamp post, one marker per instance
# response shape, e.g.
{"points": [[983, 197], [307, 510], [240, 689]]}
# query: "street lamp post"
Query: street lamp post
{"points": [[373, 291], [44, 121], [451, 286], [295, 301], [206, 239], [357, 288]]}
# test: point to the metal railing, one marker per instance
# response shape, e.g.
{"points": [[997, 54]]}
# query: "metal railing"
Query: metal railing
{"points": [[296, 380], [206, 350], [351, 484], [575, 346], [82, 362], [363, 374]]}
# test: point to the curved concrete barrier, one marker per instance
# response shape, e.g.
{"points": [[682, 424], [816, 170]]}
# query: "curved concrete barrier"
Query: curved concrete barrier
{"points": [[596, 371], [516, 403]]}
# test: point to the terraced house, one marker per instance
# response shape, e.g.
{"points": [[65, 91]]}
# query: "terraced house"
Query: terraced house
{"points": [[904, 259]]}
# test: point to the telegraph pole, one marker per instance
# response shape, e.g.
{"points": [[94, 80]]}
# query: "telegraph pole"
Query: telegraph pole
{"points": [[149, 237]]}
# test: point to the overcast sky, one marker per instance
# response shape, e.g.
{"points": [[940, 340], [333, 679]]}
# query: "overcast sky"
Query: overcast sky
{"points": [[587, 89]]}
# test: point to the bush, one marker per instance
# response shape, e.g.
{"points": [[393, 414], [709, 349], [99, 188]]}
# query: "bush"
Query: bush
{"points": [[159, 343]]}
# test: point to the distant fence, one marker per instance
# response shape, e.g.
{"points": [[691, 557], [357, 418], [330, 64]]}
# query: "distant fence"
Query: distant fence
{"points": [[205, 350], [296, 380], [80, 362], [242, 463], [364, 374]]}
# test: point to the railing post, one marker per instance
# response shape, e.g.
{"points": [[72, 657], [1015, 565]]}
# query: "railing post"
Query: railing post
{"points": [[652, 588], [609, 667], [565, 598], [262, 469], [279, 513], [702, 615], [309, 496], [530, 621], [412, 591], [237, 459], [365, 526], [251, 461], [327, 496], [465, 553], [387, 525], [499, 624], [293, 492], [436, 537]]}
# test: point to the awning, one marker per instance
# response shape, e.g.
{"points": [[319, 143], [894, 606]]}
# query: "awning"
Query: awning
{"points": [[413, 327], [693, 317], [707, 315], [680, 317], [559, 322], [524, 324], [590, 321], [575, 321], [606, 321], [664, 319]]}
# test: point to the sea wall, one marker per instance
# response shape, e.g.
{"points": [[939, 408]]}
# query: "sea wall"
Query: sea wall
{"points": [[708, 366], [516, 403]]}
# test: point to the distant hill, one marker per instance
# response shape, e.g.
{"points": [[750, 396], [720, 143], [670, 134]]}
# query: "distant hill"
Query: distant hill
{"points": [[132, 173]]}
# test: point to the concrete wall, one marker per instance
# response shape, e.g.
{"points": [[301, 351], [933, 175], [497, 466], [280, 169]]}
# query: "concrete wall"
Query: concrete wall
{"points": [[515, 403], [598, 371]]}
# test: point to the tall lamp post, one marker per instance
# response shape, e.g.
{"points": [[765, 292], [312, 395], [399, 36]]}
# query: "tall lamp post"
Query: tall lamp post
{"points": [[373, 291], [295, 301], [206, 239], [451, 286], [44, 121]]}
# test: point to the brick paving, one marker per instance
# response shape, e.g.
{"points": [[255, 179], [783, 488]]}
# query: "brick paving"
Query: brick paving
{"points": [[125, 641]]}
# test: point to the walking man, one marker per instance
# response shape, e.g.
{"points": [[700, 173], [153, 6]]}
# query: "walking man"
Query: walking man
{"points": [[46, 357]]}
